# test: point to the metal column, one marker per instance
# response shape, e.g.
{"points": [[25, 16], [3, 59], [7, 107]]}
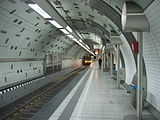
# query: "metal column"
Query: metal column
{"points": [[104, 61], [118, 66], [137, 22], [111, 64], [140, 75]]}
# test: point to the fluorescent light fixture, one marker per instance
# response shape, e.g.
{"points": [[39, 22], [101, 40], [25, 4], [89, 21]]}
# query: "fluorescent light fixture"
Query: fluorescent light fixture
{"points": [[80, 44], [75, 39], [80, 40], [4, 91], [87, 46], [69, 29], [56, 24], [39, 10], [70, 36], [64, 31]]}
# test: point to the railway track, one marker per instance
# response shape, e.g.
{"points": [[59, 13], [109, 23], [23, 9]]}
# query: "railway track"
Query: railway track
{"points": [[32, 106]]}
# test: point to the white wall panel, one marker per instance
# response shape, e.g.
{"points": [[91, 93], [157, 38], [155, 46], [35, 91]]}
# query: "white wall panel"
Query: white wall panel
{"points": [[13, 72], [30, 36], [152, 54], [129, 60]]}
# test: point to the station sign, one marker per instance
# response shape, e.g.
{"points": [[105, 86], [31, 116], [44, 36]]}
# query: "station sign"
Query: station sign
{"points": [[96, 51]]}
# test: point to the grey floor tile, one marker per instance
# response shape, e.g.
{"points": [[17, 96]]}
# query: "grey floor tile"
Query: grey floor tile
{"points": [[101, 100]]}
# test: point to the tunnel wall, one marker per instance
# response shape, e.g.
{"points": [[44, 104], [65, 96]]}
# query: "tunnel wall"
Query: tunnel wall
{"points": [[73, 62], [152, 54], [13, 72], [25, 39], [17, 91]]}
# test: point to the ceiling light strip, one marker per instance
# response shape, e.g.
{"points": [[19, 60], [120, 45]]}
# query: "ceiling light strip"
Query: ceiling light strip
{"points": [[70, 36], [55, 23], [69, 29], [64, 31], [85, 48], [39, 10]]}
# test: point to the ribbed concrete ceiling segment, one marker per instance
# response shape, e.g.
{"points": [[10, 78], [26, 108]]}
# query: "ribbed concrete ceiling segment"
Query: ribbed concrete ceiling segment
{"points": [[86, 31], [75, 12], [111, 14], [98, 9]]}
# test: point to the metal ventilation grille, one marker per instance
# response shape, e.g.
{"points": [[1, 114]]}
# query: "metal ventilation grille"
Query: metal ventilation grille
{"points": [[57, 2], [12, 1], [100, 13], [79, 13], [29, 10], [76, 5], [13, 11], [66, 11]]}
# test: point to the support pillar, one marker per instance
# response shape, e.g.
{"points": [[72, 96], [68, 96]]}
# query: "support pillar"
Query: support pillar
{"points": [[111, 64], [134, 20], [139, 115], [118, 66], [140, 75], [104, 61]]}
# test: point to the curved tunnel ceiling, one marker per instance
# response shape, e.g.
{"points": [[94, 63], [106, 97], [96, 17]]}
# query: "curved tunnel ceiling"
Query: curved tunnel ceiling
{"points": [[26, 38], [25, 34], [91, 33], [94, 4], [75, 13], [112, 9], [76, 9], [95, 14]]}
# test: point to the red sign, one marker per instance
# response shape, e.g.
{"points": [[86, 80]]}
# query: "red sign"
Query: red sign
{"points": [[96, 52], [135, 47]]}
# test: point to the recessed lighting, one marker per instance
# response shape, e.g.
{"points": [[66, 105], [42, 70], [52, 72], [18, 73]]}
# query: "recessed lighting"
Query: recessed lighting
{"points": [[87, 46], [55, 23], [75, 39], [80, 40], [69, 29], [64, 31], [39, 10], [70, 36]]}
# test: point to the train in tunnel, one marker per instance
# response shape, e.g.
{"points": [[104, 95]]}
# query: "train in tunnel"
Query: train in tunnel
{"points": [[87, 60]]}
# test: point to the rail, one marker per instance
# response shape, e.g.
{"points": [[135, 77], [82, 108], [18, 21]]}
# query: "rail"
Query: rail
{"points": [[43, 97]]}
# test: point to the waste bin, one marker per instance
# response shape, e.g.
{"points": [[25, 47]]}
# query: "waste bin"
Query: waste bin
{"points": [[134, 96], [114, 74]]}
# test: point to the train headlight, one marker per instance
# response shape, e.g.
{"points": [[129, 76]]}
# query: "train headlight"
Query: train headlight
{"points": [[86, 61]]}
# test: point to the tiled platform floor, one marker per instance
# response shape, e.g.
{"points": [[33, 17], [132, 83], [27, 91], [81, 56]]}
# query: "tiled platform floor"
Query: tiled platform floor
{"points": [[100, 99]]}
